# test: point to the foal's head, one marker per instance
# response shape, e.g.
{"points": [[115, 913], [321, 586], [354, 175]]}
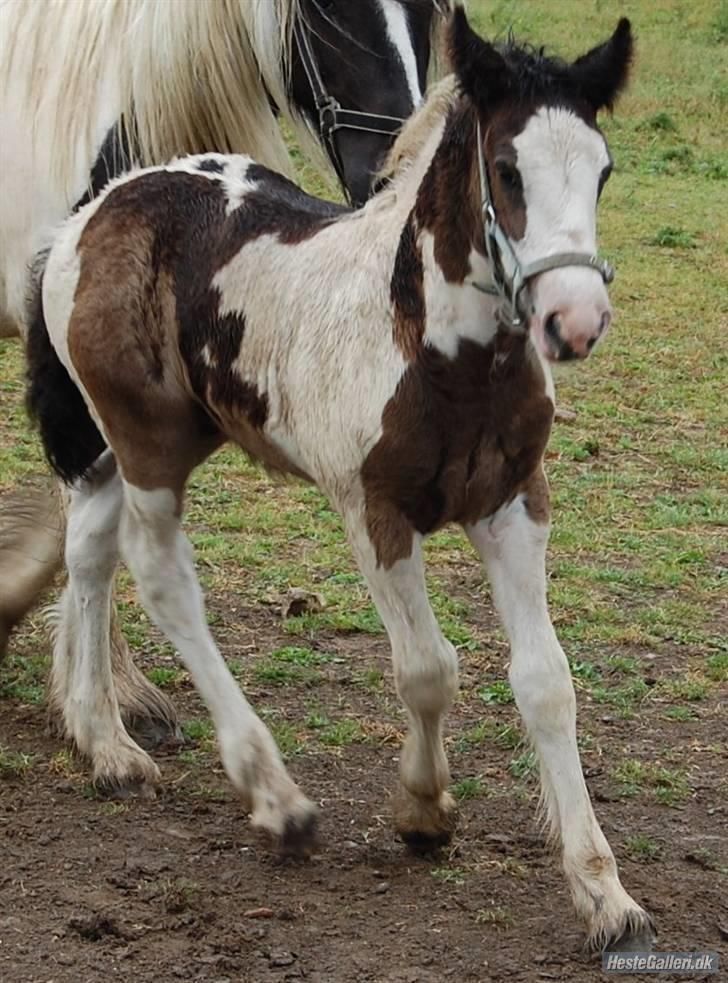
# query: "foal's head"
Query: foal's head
{"points": [[546, 162], [362, 68]]}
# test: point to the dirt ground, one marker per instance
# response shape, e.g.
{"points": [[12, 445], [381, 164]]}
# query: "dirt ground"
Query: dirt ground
{"points": [[180, 888]]}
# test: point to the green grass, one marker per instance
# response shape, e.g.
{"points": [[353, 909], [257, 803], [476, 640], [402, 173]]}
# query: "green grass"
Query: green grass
{"points": [[668, 786], [643, 847], [14, 764]]}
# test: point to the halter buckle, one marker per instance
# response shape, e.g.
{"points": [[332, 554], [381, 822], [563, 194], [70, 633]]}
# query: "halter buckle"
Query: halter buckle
{"points": [[328, 109]]}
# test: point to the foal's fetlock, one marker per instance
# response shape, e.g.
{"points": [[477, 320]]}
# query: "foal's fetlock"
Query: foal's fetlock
{"points": [[290, 822], [125, 771], [424, 824], [613, 920]]}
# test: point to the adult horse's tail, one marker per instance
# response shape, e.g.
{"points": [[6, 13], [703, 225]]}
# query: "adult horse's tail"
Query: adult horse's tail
{"points": [[71, 439]]}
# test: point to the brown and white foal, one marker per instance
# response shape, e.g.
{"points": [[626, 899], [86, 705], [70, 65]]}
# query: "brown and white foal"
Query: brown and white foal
{"points": [[212, 300]]}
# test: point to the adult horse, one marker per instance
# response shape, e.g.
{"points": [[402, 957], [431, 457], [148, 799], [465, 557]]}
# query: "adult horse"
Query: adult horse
{"points": [[90, 87], [397, 355]]}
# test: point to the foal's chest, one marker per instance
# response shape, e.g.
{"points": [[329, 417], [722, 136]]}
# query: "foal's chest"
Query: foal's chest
{"points": [[460, 436]]}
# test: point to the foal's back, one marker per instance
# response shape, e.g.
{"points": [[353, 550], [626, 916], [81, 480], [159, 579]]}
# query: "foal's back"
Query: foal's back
{"points": [[135, 285]]}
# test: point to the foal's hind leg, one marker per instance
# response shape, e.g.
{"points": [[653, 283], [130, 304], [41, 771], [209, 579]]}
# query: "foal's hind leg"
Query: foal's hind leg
{"points": [[90, 711], [426, 675], [148, 715], [160, 558], [513, 548]]}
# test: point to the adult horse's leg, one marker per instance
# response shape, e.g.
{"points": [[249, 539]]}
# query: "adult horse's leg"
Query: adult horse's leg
{"points": [[160, 559], [90, 710], [31, 551], [513, 548], [426, 676]]}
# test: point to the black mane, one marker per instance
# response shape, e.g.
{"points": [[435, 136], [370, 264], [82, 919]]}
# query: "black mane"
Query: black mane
{"points": [[536, 74]]}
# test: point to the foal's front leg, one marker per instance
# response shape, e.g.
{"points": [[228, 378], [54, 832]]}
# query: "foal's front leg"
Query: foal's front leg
{"points": [[159, 556], [513, 548], [426, 675]]}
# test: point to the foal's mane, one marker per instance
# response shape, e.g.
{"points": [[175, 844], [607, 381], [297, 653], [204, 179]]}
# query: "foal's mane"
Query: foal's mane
{"points": [[418, 129]]}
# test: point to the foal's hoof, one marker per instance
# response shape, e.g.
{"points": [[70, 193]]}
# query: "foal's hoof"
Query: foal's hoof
{"points": [[132, 788], [152, 733], [292, 835], [636, 933], [299, 837], [125, 772], [424, 825]]}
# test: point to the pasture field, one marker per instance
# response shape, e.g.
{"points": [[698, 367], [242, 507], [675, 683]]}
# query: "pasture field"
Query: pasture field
{"points": [[180, 889]]}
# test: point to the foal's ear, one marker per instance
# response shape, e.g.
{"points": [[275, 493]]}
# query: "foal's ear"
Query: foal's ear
{"points": [[481, 70], [602, 73]]}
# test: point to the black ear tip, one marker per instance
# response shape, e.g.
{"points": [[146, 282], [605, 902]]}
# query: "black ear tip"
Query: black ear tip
{"points": [[624, 26]]}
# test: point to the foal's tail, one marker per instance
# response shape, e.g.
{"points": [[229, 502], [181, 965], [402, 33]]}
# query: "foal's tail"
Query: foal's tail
{"points": [[71, 439]]}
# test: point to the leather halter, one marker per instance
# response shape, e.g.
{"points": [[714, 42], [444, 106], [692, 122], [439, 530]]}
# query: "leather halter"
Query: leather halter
{"points": [[331, 117], [511, 288]]}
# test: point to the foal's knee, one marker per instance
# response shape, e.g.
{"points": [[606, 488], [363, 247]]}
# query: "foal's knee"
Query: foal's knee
{"points": [[544, 694], [428, 682]]}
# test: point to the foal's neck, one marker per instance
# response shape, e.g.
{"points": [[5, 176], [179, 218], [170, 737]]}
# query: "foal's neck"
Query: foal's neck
{"points": [[440, 248]]}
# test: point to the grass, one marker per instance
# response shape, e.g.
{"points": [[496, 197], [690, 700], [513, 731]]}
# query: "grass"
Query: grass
{"points": [[668, 786], [14, 764], [643, 847]]}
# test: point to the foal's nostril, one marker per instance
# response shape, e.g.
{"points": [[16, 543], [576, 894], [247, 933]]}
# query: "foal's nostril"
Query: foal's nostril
{"points": [[552, 329], [604, 322]]}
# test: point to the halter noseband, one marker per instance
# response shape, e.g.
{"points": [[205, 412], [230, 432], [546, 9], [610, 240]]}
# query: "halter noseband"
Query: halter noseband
{"points": [[511, 288], [331, 117]]}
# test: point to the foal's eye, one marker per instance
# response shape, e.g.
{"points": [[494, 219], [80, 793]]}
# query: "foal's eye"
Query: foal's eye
{"points": [[508, 174], [603, 178]]}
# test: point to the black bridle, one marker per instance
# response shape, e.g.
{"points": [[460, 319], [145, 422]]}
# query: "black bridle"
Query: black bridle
{"points": [[331, 117]]}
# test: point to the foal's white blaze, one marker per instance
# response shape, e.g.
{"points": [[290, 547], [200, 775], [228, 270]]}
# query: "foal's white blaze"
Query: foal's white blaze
{"points": [[399, 35], [560, 159]]}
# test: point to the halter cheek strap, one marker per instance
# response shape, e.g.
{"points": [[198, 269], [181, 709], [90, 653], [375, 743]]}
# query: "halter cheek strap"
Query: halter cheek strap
{"points": [[331, 117], [511, 287]]}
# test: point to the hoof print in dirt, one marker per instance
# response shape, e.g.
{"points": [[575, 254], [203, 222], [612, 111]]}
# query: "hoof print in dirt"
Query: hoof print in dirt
{"points": [[96, 927]]}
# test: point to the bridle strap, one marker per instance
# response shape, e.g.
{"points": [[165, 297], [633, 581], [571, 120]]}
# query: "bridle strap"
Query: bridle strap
{"points": [[511, 287], [331, 117]]}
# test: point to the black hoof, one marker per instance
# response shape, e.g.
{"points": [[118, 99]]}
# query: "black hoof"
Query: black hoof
{"points": [[635, 938], [151, 734], [121, 791], [300, 837], [424, 844]]}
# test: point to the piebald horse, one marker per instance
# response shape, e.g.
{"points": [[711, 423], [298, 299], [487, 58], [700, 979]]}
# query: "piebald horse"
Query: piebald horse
{"points": [[88, 88], [397, 356]]}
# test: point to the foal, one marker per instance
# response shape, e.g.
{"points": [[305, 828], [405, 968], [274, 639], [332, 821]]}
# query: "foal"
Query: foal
{"points": [[212, 300]]}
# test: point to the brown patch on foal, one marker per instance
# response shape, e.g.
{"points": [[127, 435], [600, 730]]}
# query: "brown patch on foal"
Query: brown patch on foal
{"points": [[407, 292], [454, 220], [460, 438]]}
